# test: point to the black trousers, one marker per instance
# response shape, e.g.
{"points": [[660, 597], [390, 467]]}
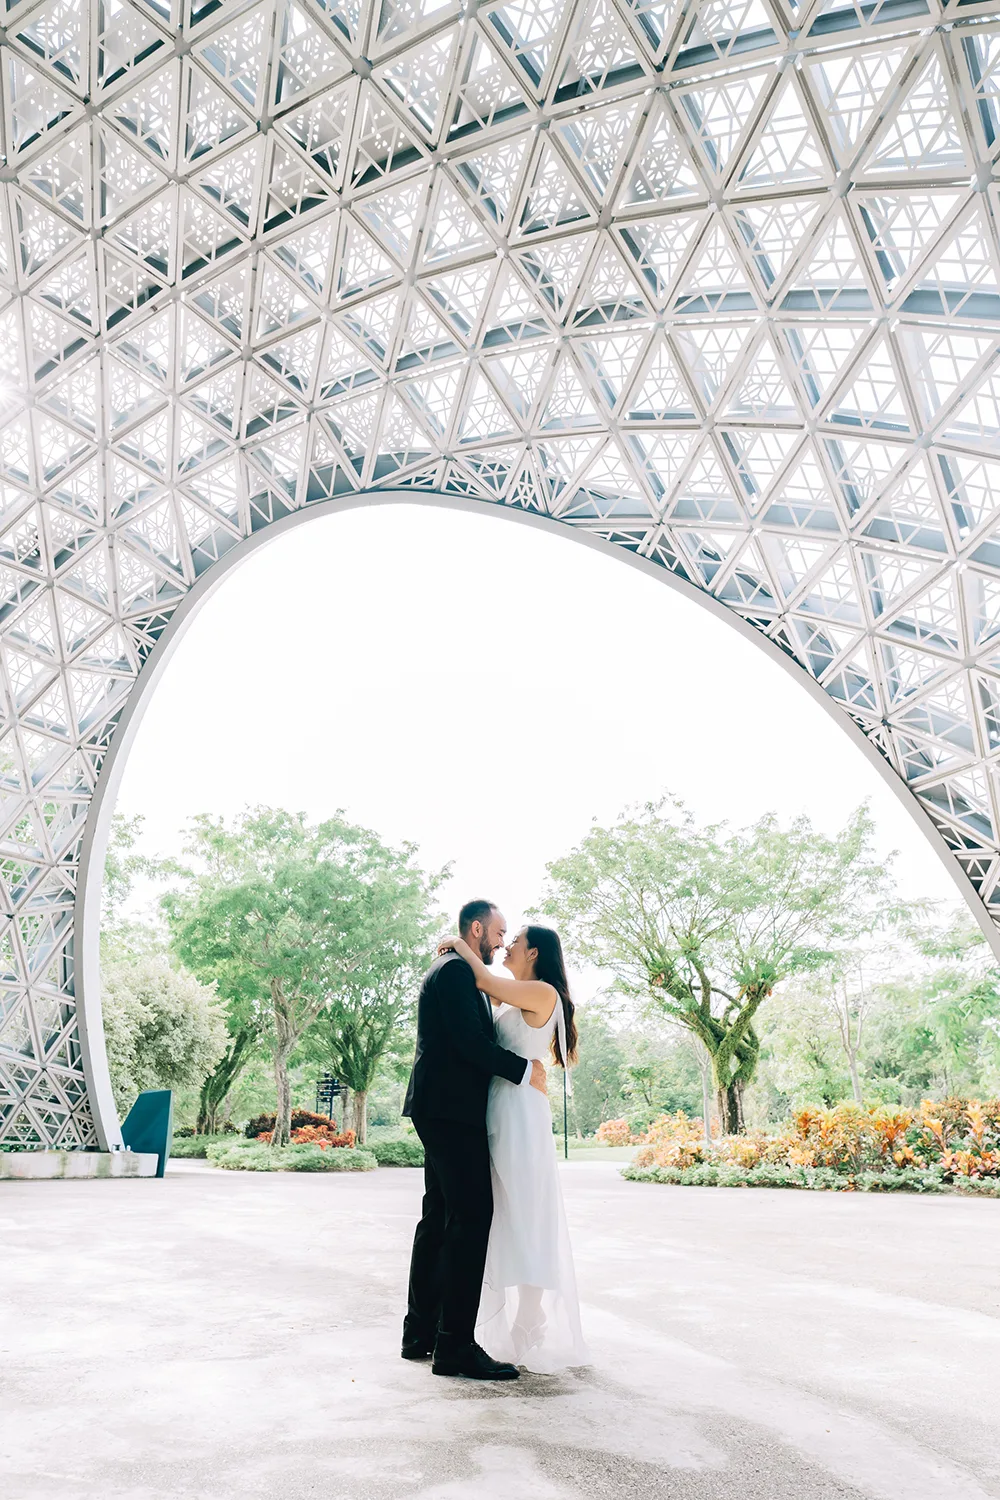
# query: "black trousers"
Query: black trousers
{"points": [[449, 1245]]}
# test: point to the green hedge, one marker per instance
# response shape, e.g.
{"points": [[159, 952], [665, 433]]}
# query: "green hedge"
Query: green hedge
{"points": [[402, 1152], [981, 1188], [816, 1179], [196, 1145], [248, 1156]]}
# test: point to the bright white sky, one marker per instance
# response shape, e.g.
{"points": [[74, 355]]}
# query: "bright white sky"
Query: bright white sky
{"points": [[484, 689]]}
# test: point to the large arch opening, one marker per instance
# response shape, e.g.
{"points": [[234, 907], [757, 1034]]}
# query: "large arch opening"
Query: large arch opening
{"points": [[99, 823]]}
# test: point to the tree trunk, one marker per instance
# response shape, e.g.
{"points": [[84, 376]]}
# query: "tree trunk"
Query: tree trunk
{"points": [[282, 1133], [855, 1080], [282, 1047], [359, 1116], [706, 1104], [208, 1112], [730, 1105], [734, 1060], [218, 1086]]}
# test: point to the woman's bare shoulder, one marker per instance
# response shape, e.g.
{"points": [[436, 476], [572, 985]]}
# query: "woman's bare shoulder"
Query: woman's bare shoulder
{"points": [[537, 1018]]}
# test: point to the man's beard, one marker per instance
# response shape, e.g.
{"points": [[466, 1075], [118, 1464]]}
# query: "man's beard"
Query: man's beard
{"points": [[486, 950]]}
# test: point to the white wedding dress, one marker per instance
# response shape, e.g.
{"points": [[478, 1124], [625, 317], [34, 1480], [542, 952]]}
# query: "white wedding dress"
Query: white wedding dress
{"points": [[529, 1311]]}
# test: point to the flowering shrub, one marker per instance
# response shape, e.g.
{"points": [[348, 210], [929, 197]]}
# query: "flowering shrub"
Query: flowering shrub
{"points": [[614, 1133], [849, 1138], [673, 1141], [262, 1125], [849, 1148], [757, 1148], [313, 1135], [323, 1136]]}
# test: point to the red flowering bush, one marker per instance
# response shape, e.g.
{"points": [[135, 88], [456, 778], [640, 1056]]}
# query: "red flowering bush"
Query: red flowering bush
{"points": [[262, 1125], [614, 1133], [313, 1135], [319, 1135]]}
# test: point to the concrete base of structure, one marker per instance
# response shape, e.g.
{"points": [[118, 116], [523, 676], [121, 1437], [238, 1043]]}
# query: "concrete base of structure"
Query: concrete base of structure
{"points": [[33, 1166]]}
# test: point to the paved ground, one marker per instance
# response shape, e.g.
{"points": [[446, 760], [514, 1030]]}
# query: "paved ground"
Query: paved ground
{"points": [[220, 1336]]}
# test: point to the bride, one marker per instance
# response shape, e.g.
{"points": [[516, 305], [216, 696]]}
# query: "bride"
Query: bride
{"points": [[529, 1312]]}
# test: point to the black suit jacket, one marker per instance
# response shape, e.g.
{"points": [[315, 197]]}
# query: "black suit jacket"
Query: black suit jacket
{"points": [[457, 1052]]}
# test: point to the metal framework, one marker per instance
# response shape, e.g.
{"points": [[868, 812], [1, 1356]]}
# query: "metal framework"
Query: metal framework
{"points": [[716, 283]]}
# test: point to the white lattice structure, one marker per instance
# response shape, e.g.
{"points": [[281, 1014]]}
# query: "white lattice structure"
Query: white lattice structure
{"points": [[714, 283]]}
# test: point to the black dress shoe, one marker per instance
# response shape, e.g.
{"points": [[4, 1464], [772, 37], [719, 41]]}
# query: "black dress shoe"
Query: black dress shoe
{"points": [[471, 1361], [416, 1349]]}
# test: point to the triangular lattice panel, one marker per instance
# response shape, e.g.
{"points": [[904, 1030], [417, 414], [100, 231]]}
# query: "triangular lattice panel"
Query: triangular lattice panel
{"points": [[718, 283]]}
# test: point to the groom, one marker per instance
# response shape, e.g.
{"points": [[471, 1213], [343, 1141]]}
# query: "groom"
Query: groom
{"points": [[456, 1056]]}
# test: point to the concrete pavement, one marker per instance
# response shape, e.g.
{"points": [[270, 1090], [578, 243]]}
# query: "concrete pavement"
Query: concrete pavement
{"points": [[229, 1336]]}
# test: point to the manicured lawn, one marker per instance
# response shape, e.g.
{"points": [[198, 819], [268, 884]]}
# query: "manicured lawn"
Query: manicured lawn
{"points": [[590, 1151]]}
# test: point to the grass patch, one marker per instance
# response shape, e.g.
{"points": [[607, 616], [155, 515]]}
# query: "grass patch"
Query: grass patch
{"points": [[592, 1150]]}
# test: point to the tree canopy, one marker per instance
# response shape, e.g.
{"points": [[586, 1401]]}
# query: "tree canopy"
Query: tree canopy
{"points": [[163, 1029], [773, 966], [299, 923], [703, 923]]}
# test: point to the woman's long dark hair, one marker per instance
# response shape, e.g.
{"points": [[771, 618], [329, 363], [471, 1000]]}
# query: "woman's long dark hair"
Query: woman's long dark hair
{"points": [[550, 966]]}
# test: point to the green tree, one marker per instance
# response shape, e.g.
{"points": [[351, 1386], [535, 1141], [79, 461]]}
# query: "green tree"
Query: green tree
{"points": [[369, 1012], [935, 1030], [222, 862], [802, 1061], [598, 1077], [124, 937], [296, 922], [661, 1075], [242, 1040], [122, 864], [163, 1029], [917, 1013], [704, 923], [962, 1005]]}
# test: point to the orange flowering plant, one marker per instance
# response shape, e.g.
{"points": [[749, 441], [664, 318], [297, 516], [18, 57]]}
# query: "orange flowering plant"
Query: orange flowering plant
{"points": [[959, 1137]]}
